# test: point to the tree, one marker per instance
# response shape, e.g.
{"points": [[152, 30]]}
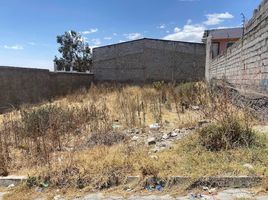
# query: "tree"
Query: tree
{"points": [[75, 53]]}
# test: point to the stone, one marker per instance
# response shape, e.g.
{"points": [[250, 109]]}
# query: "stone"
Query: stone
{"points": [[248, 166], [212, 191], [11, 186], [195, 107], [135, 138], [177, 130], [174, 134], [166, 136], [57, 197], [151, 141]]}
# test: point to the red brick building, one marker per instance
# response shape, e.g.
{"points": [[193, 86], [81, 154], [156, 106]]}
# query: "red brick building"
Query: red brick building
{"points": [[222, 39]]}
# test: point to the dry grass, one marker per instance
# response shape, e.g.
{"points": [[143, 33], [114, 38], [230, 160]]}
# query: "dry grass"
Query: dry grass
{"points": [[79, 141]]}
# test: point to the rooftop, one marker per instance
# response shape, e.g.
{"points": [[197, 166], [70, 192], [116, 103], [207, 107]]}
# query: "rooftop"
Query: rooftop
{"points": [[224, 33], [151, 39]]}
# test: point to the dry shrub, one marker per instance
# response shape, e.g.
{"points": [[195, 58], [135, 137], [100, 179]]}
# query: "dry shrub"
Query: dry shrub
{"points": [[132, 107], [96, 116], [228, 133], [40, 131], [3, 166]]}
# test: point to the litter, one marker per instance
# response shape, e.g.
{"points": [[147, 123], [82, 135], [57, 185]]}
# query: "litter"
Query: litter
{"points": [[154, 126]]}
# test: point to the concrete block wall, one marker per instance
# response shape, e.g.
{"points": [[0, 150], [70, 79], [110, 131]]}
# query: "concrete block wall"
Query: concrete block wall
{"points": [[28, 86], [245, 64], [147, 60]]}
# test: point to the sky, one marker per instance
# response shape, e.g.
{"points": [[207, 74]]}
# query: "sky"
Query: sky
{"points": [[28, 28]]}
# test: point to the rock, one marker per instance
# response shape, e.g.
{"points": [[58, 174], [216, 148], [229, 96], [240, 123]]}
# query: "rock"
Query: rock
{"points": [[205, 188], [212, 191], [177, 130], [183, 130], [10, 186], [39, 189], [151, 141], [195, 107], [57, 197], [174, 134], [166, 136], [249, 166], [135, 138]]}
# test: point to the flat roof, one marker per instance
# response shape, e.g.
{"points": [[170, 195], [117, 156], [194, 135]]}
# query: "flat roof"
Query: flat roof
{"points": [[224, 33], [131, 41]]}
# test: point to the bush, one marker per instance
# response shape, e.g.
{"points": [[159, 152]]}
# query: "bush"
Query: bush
{"points": [[226, 134]]}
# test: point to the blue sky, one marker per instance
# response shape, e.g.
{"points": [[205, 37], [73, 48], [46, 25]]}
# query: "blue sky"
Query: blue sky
{"points": [[28, 28]]}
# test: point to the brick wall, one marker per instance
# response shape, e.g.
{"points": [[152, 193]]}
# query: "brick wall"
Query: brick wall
{"points": [[245, 64], [27, 86], [149, 60]]}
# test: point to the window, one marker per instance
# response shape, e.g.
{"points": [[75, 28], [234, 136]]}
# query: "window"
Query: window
{"points": [[215, 49], [229, 44]]}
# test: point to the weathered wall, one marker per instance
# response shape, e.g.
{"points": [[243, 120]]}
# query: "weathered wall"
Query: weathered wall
{"points": [[245, 64], [149, 60], [26, 86]]}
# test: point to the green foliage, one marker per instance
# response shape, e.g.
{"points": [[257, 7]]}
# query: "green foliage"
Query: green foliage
{"points": [[75, 53], [228, 133]]}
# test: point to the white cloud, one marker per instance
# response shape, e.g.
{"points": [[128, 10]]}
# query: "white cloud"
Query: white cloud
{"points": [[14, 47], [133, 36], [189, 33], [107, 38], [217, 18], [96, 42], [176, 30], [92, 30], [162, 26]]}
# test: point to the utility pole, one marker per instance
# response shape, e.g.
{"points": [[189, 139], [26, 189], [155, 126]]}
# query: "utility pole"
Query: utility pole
{"points": [[243, 22]]}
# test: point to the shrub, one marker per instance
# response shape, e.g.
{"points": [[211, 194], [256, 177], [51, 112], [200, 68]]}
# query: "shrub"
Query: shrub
{"points": [[231, 132]]}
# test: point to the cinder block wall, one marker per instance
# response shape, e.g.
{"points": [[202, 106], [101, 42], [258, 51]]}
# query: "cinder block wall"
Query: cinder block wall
{"points": [[149, 60], [28, 86], [245, 64]]}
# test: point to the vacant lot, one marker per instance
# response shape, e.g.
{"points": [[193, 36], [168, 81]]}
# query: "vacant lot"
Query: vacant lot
{"points": [[93, 139]]}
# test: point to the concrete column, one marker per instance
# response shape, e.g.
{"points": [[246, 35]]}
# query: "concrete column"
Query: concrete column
{"points": [[208, 58]]}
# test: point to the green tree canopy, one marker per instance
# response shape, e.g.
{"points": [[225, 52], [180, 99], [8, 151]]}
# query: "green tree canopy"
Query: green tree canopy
{"points": [[75, 53]]}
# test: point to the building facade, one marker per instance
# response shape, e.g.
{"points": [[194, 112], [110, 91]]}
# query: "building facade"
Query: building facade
{"points": [[222, 39], [147, 60]]}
